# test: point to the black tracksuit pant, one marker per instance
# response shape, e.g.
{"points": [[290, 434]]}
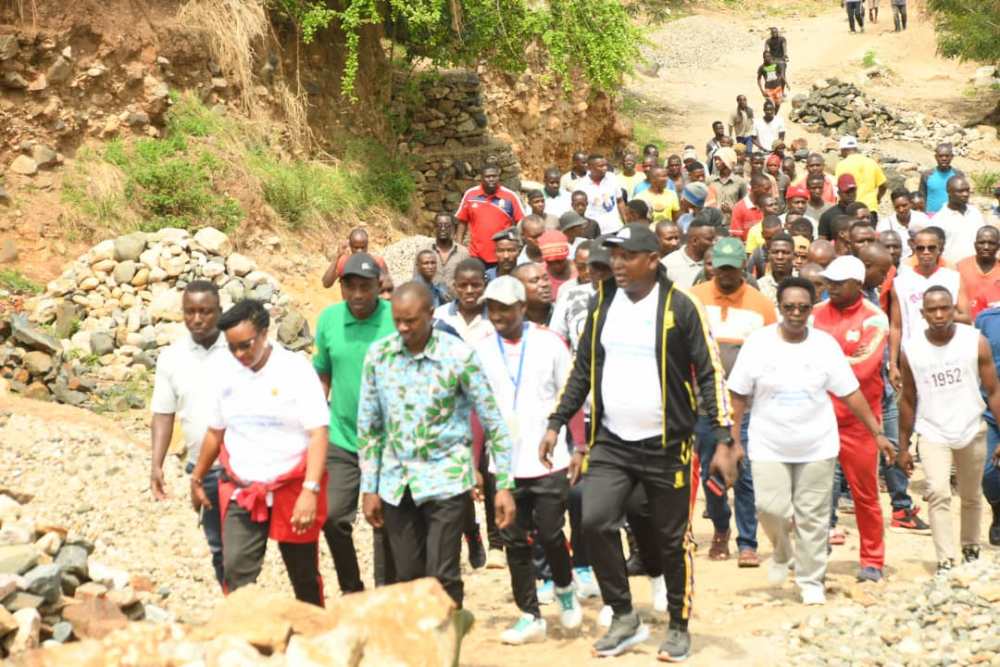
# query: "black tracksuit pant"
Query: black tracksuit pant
{"points": [[541, 507], [615, 469], [426, 539]]}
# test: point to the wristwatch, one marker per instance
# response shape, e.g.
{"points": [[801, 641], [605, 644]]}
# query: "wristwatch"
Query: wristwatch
{"points": [[311, 486], [723, 436]]}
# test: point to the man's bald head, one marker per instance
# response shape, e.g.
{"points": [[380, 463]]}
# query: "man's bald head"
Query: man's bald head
{"points": [[877, 260], [414, 291], [813, 272], [821, 252]]}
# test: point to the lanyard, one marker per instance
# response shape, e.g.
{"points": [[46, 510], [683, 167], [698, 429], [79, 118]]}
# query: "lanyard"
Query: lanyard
{"points": [[520, 364]]}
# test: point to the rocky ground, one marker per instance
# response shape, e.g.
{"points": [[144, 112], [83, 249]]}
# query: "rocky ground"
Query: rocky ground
{"points": [[89, 475]]}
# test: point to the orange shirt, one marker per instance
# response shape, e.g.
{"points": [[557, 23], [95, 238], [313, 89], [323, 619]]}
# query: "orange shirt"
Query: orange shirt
{"points": [[733, 317], [977, 288]]}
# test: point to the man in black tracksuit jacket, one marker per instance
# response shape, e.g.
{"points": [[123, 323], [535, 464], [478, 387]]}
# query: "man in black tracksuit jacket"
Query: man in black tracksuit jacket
{"points": [[645, 346]]}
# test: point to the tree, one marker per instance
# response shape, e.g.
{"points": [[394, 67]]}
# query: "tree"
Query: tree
{"points": [[967, 29], [595, 37]]}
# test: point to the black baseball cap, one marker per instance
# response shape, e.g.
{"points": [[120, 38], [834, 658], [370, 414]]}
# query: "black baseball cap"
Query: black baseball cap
{"points": [[361, 264], [598, 253], [509, 234], [634, 237], [571, 219]]}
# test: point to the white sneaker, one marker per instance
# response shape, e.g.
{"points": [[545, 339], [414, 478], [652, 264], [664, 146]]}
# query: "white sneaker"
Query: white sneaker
{"points": [[586, 584], [605, 616], [659, 591], [526, 629], [777, 574], [570, 612], [813, 595]]}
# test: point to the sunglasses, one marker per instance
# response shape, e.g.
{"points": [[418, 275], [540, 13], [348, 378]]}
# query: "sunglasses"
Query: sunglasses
{"points": [[925, 248], [243, 346], [796, 308]]}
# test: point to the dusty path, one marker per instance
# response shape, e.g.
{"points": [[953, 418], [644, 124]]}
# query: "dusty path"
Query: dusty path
{"points": [[686, 97]]}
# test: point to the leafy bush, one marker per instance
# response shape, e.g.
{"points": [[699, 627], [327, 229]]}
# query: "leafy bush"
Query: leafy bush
{"points": [[983, 182], [869, 60]]}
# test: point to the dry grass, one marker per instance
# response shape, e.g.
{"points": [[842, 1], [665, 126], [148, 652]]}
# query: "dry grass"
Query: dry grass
{"points": [[236, 30], [19, 7]]}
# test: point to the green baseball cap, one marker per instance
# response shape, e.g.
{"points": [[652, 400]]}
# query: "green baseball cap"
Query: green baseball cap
{"points": [[728, 251]]}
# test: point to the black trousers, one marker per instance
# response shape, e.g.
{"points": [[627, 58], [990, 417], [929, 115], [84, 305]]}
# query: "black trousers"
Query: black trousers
{"points": [[471, 530], [855, 14], [342, 508], [426, 539], [615, 469], [541, 508], [640, 524], [244, 543]]}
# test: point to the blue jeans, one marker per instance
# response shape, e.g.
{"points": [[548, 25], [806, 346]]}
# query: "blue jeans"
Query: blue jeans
{"points": [[211, 520], [991, 475], [743, 498], [748, 142], [896, 481]]}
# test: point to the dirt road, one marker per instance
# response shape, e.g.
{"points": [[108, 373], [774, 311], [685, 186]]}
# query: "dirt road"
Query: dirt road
{"points": [[687, 95]]}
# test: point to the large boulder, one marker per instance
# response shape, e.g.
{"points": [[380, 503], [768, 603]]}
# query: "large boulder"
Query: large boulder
{"points": [[214, 241], [130, 246]]}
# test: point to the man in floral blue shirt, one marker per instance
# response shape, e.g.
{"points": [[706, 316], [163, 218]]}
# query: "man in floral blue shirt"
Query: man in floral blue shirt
{"points": [[414, 442]]}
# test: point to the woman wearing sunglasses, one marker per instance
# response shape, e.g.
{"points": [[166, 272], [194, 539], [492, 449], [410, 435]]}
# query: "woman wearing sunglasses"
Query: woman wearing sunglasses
{"points": [[788, 371]]}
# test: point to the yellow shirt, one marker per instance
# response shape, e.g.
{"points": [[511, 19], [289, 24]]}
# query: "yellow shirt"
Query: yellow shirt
{"points": [[755, 237], [661, 206], [629, 182], [867, 174]]}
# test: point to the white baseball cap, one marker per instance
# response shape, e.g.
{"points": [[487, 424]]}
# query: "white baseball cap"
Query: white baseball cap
{"points": [[845, 267], [508, 290], [847, 141]]}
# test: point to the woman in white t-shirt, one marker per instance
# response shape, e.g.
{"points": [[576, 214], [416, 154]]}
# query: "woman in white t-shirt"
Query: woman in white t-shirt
{"points": [[788, 370]]}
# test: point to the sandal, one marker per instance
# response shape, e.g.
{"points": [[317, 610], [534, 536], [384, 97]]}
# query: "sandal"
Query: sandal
{"points": [[748, 558], [720, 547]]}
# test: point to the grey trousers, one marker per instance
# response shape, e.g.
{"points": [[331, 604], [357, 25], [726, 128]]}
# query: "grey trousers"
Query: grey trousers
{"points": [[801, 492]]}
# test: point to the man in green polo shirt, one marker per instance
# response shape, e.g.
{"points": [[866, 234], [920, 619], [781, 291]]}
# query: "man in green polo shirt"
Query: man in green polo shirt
{"points": [[344, 332]]}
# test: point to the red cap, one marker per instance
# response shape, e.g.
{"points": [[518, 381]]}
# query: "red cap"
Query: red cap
{"points": [[800, 191], [846, 182], [774, 158], [554, 245]]}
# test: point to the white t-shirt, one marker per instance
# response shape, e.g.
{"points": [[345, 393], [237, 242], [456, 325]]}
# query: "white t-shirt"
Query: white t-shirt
{"points": [[918, 220], [183, 387], [556, 206], [949, 403], [602, 201], [910, 287], [959, 231], [792, 419], [547, 364], [630, 382], [266, 414], [478, 328], [768, 133]]}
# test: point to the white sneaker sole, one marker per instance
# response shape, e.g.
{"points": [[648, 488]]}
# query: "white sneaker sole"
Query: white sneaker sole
{"points": [[641, 635]]}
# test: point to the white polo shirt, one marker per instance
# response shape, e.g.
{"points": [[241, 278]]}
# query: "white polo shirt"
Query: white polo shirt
{"points": [[267, 414], [602, 201], [183, 387]]}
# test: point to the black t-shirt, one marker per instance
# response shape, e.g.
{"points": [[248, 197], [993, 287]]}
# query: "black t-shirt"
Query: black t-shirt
{"points": [[826, 220], [776, 45]]}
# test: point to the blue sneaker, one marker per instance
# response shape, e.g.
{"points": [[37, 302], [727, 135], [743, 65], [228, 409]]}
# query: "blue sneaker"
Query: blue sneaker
{"points": [[546, 592], [586, 584], [869, 573]]}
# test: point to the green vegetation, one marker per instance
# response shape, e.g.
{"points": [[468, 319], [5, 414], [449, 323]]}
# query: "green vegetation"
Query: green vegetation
{"points": [[13, 280], [869, 59], [130, 394], [644, 133], [967, 30], [595, 37], [983, 182], [180, 180]]}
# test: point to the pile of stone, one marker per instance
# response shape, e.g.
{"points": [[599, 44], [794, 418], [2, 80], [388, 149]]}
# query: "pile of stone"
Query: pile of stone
{"points": [[447, 136], [836, 108], [404, 624], [947, 620], [52, 591], [104, 320]]}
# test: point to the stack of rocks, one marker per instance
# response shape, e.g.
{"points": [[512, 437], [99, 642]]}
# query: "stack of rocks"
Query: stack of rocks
{"points": [[52, 591], [103, 321], [835, 108], [447, 136], [948, 620]]}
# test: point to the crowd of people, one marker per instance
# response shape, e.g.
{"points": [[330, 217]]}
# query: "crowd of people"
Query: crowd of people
{"points": [[601, 350]]}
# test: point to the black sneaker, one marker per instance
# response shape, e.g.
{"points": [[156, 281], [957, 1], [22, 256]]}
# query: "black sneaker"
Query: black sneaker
{"points": [[945, 566], [970, 553], [477, 552], [634, 566], [626, 630], [676, 647]]}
